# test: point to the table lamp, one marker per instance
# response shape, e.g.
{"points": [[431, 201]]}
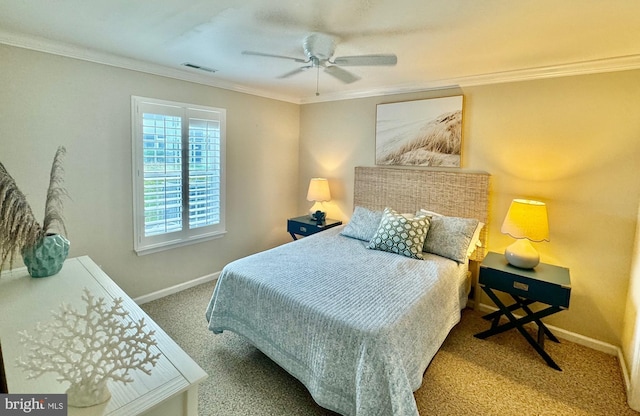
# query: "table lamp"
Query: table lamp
{"points": [[319, 193], [526, 221]]}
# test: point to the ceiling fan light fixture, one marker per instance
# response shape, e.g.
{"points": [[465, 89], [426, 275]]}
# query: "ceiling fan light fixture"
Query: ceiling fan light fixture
{"points": [[319, 46]]}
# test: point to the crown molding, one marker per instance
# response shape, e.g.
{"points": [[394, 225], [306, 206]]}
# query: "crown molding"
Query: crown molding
{"points": [[621, 63], [85, 54]]}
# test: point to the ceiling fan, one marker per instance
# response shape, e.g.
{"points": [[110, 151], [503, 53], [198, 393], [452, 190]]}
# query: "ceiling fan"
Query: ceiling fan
{"points": [[319, 49]]}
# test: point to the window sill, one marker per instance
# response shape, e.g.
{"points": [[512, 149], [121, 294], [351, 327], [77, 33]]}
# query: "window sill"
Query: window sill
{"points": [[143, 251]]}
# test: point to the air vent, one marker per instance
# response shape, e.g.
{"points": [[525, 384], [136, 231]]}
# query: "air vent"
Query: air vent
{"points": [[201, 68]]}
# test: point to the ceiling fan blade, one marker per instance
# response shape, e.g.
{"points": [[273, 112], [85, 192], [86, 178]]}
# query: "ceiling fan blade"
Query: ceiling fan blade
{"points": [[269, 55], [362, 60], [341, 74], [294, 72]]}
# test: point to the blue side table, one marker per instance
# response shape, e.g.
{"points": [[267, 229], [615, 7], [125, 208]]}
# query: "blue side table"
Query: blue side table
{"points": [[305, 226], [547, 284]]}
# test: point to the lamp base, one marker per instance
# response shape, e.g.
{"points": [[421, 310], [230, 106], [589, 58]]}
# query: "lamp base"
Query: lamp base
{"points": [[317, 206], [522, 254]]}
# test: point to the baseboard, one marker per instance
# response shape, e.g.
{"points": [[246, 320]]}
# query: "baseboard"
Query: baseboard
{"points": [[175, 289], [625, 373]]}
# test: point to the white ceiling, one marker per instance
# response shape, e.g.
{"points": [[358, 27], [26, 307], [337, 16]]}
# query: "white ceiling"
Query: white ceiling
{"points": [[438, 42]]}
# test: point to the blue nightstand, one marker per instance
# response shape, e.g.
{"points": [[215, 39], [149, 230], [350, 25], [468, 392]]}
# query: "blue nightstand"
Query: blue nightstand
{"points": [[305, 226], [547, 284]]}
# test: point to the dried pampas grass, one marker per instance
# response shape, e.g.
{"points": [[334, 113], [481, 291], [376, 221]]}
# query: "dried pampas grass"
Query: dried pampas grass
{"points": [[19, 228]]}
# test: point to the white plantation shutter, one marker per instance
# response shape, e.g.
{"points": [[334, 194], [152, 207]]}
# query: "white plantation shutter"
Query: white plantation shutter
{"points": [[204, 172], [178, 152], [162, 173]]}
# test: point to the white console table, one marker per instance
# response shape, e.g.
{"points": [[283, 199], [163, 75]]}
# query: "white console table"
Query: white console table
{"points": [[172, 387]]}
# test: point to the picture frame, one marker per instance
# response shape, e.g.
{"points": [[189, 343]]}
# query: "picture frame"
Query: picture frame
{"points": [[420, 133]]}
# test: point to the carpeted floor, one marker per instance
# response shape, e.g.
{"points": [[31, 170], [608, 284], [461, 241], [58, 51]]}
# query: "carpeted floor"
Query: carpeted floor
{"points": [[501, 375]]}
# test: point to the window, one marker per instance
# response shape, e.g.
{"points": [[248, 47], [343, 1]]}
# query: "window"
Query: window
{"points": [[178, 175]]}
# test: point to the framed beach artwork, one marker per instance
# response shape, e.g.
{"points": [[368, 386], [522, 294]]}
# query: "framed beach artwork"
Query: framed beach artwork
{"points": [[420, 133]]}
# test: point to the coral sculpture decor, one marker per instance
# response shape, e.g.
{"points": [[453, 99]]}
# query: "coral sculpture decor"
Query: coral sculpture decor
{"points": [[88, 348]]}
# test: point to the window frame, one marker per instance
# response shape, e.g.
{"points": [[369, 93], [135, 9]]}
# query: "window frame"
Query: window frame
{"points": [[164, 241]]}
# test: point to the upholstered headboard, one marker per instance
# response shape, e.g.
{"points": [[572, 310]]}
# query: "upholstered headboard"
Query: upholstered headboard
{"points": [[448, 192]]}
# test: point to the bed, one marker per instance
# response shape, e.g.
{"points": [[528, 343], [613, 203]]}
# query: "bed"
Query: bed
{"points": [[359, 326]]}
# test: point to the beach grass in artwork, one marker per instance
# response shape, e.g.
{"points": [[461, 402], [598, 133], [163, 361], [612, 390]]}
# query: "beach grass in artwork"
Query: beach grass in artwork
{"points": [[420, 133]]}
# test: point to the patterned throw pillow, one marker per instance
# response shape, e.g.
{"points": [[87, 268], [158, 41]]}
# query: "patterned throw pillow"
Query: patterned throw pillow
{"points": [[363, 224], [400, 235], [450, 237]]}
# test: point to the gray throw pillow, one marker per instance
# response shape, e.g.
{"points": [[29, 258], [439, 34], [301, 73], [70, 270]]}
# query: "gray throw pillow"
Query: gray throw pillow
{"points": [[363, 224], [450, 237]]}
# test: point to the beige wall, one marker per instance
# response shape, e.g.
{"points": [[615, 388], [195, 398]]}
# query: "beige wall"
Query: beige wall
{"points": [[47, 100], [571, 142]]}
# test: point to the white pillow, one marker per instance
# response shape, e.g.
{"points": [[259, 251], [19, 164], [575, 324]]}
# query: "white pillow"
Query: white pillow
{"points": [[429, 213], [475, 240]]}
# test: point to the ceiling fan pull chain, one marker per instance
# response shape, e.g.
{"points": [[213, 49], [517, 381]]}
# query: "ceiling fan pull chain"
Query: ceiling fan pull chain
{"points": [[317, 79]]}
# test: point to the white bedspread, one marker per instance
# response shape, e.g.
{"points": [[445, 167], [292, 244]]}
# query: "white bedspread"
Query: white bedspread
{"points": [[358, 327]]}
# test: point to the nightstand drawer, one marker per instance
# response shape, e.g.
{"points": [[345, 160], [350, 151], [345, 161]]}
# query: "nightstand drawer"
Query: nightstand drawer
{"points": [[534, 289], [300, 228]]}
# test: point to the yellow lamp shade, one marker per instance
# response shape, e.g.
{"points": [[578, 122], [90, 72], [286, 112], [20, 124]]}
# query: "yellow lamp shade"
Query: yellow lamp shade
{"points": [[318, 190], [527, 219]]}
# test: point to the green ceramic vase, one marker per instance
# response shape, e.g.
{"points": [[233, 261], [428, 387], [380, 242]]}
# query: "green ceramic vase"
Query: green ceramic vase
{"points": [[46, 257]]}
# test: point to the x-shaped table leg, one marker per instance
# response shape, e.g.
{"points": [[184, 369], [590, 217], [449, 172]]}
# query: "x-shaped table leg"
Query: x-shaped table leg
{"points": [[519, 322]]}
